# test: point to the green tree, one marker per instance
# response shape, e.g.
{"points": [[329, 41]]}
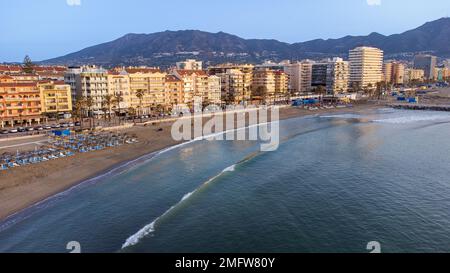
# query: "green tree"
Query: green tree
{"points": [[140, 95], [88, 107], [107, 103], [28, 66], [118, 98], [80, 106]]}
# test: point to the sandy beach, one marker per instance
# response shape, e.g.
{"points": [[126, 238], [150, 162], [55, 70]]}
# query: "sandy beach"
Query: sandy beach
{"points": [[24, 186]]}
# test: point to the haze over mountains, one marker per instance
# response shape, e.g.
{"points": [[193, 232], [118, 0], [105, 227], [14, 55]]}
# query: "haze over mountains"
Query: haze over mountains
{"points": [[165, 48]]}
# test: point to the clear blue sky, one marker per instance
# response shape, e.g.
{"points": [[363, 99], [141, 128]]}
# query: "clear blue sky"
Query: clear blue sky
{"points": [[50, 28]]}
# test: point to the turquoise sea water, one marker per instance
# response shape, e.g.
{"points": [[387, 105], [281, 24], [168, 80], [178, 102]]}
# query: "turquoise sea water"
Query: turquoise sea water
{"points": [[336, 183]]}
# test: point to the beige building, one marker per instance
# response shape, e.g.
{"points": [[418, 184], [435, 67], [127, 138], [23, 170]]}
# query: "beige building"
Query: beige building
{"points": [[214, 90], [269, 86], [393, 72], [414, 75], [151, 84], [20, 103], [56, 97], [190, 64], [119, 86], [174, 91], [197, 83], [337, 76], [300, 76], [236, 81], [366, 65]]}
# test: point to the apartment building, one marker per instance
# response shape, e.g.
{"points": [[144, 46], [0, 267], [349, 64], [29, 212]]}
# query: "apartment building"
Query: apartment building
{"points": [[366, 65], [151, 84], [319, 74], [119, 87], [269, 86], [427, 63], [20, 103], [214, 95], [56, 97], [236, 81], [393, 72], [412, 75], [337, 76], [300, 76], [174, 91], [190, 64]]}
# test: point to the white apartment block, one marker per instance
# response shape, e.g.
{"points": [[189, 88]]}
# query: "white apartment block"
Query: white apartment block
{"points": [[300, 76], [366, 64], [337, 76]]}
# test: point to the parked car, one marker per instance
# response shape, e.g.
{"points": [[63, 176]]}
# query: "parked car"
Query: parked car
{"points": [[29, 129], [13, 131], [54, 126], [47, 127], [77, 123], [38, 128], [4, 132], [71, 124], [64, 125], [21, 129]]}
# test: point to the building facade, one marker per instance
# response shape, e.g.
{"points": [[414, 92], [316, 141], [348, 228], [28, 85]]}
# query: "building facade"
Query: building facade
{"points": [[366, 64], [337, 76], [20, 103], [300, 76], [56, 97], [427, 63]]}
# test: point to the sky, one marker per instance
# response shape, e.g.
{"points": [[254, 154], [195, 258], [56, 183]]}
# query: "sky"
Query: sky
{"points": [[45, 29]]}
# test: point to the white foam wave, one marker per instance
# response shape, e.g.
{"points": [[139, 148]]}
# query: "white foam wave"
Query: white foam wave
{"points": [[134, 239], [230, 169], [150, 228], [411, 119], [344, 116]]}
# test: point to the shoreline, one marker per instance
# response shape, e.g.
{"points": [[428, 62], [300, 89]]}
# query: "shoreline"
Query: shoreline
{"points": [[30, 186]]}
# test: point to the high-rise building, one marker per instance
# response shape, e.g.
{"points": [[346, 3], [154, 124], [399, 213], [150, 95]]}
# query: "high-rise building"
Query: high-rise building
{"points": [[174, 91], [366, 64], [300, 76], [270, 85], [427, 63], [319, 74], [214, 95], [236, 81], [393, 72], [71, 77], [337, 76], [147, 89], [190, 64], [119, 87]]}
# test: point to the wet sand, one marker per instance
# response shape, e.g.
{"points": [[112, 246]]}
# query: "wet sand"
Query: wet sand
{"points": [[24, 186]]}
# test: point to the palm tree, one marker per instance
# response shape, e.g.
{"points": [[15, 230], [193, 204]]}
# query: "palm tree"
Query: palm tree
{"points": [[80, 105], [107, 102], [89, 103], [140, 96], [118, 98]]}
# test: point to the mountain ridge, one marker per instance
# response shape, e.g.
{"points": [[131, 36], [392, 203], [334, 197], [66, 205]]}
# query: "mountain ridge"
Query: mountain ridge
{"points": [[166, 47]]}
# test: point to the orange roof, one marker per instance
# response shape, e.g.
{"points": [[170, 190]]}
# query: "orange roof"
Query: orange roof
{"points": [[172, 78], [184, 72], [22, 84], [132, 70]]}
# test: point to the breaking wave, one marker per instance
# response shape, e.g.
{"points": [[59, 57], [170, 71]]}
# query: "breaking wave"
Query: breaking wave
{"points": [[412, 119], [150, 228]]}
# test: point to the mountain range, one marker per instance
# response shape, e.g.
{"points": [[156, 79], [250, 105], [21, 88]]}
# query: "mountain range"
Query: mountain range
{"points": [[165, 48]]}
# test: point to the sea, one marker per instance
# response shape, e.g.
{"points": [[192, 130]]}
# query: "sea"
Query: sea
{"points": [[335, 183]]}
